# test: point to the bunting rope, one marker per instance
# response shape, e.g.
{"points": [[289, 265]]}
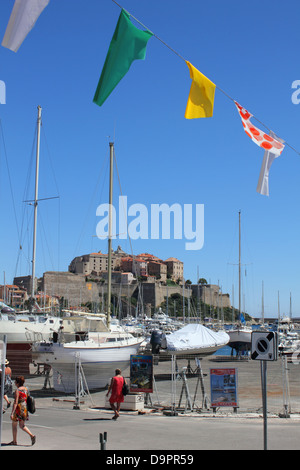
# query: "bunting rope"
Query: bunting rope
{"points": [[182, 58]]}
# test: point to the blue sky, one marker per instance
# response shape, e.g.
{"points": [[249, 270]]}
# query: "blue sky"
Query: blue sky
{"points": [[248, 50]]}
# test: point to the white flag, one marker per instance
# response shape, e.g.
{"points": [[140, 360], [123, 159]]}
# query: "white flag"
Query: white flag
{"points": [[21, 21], [269, 157]]}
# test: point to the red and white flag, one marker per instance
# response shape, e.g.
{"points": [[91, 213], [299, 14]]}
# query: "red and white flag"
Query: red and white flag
{"points": [[261, 139], [271, 143], [22, 19]]}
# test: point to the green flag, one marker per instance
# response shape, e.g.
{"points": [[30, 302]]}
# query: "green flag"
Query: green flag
{"points": [[128, 44]]}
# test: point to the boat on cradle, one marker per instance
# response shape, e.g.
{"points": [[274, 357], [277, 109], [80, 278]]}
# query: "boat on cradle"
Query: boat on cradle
{"points": [[240, 338], [21, 331], [97, 353], [195, 338]]}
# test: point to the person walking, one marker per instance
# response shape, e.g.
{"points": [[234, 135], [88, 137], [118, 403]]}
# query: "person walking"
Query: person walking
{"points": [[19, 412], [117, 397], [7, 383]]}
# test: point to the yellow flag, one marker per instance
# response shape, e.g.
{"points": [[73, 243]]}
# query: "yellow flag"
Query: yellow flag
{"points": [[202, 94]]}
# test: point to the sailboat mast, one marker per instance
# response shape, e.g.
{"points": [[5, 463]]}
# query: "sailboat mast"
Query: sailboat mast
{"points": [[36, 198], [111, 159], [262, 304], [240, 264]]}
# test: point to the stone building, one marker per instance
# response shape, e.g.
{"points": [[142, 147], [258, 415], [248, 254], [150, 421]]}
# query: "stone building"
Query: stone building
{"points": [[96, 262], [77, 289], [155, 293], [211, 294], [157, 269], [174, 269], [25, 282]]}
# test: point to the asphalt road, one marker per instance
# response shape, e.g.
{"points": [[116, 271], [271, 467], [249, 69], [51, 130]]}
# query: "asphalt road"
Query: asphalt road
{"points": [[67, 429]]}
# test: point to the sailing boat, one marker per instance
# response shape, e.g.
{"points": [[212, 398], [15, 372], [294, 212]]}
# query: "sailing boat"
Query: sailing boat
{"points": [[22, 329], [240, 337], [99, 352]]}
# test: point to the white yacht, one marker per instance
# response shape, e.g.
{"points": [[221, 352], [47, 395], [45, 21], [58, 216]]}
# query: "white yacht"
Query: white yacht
{"points": [[99, 353]]}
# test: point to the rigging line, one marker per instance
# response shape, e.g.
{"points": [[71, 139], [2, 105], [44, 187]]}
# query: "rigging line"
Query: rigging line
{"points": [[58, 234], [122, 200], [9, 179], [27, 184], [134, 266], [159, 39], [45, 239], [21, 251], [220, 89], [50, 158], [103, 170]]}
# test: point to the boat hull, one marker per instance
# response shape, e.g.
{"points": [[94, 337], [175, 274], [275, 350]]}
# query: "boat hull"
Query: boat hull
{"points": [[240, 339], [20, 335], [195, 339], [201, 352], [98, 364]]}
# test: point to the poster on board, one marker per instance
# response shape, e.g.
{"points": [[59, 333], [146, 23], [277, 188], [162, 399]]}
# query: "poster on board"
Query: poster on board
{"points": [[223, 386], [141, 373]]}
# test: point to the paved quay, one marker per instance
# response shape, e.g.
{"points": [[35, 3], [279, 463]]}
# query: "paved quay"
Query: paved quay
{"points": [[60, 427], [64, 428]]}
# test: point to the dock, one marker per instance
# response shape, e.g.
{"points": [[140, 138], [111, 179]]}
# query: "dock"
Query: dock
{"points": [[59, 426]]}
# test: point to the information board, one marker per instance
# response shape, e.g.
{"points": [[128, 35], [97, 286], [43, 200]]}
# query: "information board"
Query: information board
{"points": [[223, 387], [141, 373]]}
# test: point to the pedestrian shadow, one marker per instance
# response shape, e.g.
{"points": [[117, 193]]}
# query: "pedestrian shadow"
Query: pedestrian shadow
{"points": [[8, 444], [96, 419]]}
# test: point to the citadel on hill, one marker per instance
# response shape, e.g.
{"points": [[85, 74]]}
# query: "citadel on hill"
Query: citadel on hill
{"points": [[142, 280]]}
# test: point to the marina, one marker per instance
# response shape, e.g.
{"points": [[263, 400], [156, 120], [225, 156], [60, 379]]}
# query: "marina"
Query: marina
{"points": [[140, 276]]}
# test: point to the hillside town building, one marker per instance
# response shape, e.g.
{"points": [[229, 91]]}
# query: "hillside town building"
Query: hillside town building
{"points": [[144, 276]]}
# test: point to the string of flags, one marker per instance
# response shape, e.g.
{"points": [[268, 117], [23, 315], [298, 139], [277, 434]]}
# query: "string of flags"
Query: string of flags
{"points": [[129, 43]]}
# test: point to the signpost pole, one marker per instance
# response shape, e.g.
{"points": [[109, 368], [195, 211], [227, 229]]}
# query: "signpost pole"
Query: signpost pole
{"points": [[264, 348], [263, 365]]}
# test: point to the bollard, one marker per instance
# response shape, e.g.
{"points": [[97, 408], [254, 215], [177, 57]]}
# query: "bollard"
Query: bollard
{"points": [[103, 440]]}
